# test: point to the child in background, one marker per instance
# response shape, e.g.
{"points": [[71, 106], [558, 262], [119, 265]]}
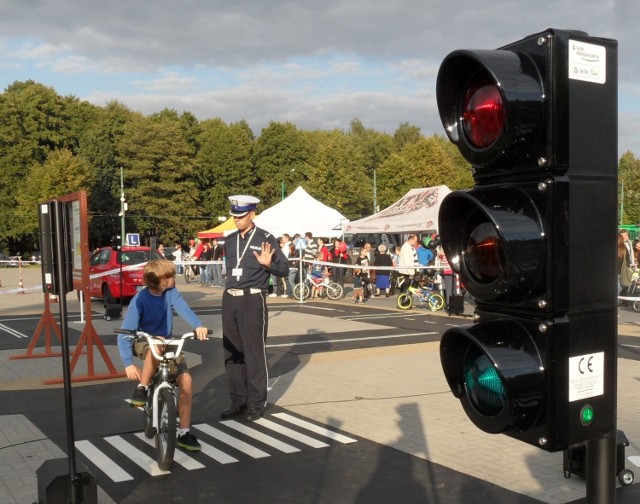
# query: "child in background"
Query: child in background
{"points": [[318, 272]]}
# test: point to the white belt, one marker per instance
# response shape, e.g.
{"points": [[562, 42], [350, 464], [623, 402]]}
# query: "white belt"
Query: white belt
{"points": [[242, 292]]}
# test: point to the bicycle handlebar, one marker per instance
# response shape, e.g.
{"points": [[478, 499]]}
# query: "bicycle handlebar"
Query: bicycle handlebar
{"points": [[160, 341]]}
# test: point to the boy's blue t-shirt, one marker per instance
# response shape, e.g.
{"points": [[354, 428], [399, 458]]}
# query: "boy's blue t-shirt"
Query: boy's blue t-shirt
{"points": [[154, 315]]}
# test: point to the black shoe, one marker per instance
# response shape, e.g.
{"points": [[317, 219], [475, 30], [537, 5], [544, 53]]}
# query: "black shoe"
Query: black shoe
{"points": [[253, 414], [233, 412], [189, 442], [139, 397]]}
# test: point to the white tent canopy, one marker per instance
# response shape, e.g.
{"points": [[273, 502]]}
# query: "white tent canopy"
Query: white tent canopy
{"points": [[416, 211], [298, 213]]}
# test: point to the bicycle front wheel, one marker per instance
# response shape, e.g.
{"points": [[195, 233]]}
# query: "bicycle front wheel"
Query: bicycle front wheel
{"points": [[301, 288], [188, 274], [404, 301], [167, 429], [334, 290], [436, 302]]}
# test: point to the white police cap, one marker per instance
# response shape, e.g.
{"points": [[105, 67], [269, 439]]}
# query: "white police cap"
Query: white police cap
{"points": [[242, 204]]}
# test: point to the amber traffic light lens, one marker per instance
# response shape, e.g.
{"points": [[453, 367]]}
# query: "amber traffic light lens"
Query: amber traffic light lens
{"points": [[484, 255]]}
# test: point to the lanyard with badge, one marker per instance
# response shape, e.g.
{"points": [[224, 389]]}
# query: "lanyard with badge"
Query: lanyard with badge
{"points": [[237, 271]]}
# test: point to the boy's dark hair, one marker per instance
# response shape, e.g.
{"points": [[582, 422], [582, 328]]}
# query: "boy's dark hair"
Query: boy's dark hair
{"points": [[157, 270]]}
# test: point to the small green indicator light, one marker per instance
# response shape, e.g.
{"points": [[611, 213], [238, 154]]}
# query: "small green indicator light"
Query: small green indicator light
{"points": [[586, 415]]}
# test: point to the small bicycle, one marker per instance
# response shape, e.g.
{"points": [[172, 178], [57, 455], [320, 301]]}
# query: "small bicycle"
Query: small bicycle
{"points": [[424, 291], [189, 271], [333, 290], [161, 408]]}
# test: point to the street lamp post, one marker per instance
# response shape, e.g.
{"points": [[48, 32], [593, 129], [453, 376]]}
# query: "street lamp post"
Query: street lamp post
{"points": [[123, 207], [375, 192]]}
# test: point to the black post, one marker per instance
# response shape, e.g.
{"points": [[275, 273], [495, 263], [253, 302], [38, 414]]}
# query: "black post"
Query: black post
{"points": [[75, 490], [601, 469]]}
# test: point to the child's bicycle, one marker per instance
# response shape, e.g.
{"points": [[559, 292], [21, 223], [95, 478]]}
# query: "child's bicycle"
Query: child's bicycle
{"points": [[189, 271], [424, 291], [333, 290], [161, 407]]}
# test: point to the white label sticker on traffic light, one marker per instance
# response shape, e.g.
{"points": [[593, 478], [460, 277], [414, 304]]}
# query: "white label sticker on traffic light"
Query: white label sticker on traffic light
{"points": [[587, 62], [586, 376]]}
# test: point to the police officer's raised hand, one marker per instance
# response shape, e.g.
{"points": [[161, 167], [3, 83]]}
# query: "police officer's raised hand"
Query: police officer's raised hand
{"points": [[265, 255]]}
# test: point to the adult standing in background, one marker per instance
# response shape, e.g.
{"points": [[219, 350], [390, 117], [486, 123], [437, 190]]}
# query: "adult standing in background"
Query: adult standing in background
{"points": [[177, 257], [383, 259], [628, 263], [408, 261], [289, 251], [341, 259], [217, 254], [311, 252], [252, 256]]}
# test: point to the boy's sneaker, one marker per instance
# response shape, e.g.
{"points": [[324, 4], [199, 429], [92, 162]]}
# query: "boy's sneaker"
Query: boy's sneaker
{"points": [[139, 397], [189, 442]]}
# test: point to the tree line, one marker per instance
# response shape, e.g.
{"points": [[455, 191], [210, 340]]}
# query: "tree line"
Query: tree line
{"points": [[177, 171]]}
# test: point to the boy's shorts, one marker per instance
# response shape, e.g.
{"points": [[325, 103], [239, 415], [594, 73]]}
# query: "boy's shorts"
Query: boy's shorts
{"points": [[177, 366]]}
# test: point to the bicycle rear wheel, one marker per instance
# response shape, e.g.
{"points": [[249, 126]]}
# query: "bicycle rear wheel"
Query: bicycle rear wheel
{"points": [[167, 429], [188, 274], [149, 430], [404, 301], [436, 302], [334, 290]]}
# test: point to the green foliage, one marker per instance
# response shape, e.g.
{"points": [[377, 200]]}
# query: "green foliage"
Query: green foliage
{"points": [[178, 172], [61, 173], [158, 166], [629, 180]]}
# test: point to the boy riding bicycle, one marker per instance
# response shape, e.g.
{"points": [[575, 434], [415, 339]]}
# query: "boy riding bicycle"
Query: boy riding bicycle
{"points": [[151, 311]]}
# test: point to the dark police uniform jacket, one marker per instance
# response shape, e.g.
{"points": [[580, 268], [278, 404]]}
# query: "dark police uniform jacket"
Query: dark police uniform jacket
{"points": [[254, 275]]}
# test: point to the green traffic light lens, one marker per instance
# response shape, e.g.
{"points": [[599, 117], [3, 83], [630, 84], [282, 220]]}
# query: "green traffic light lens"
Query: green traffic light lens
{"points": [[484, 385]]}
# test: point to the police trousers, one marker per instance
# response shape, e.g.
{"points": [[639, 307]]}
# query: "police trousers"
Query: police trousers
{"points": [[244, 336]]}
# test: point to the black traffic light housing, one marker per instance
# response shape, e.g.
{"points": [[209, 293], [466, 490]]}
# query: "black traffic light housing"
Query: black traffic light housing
{"points": [[535, 240]]}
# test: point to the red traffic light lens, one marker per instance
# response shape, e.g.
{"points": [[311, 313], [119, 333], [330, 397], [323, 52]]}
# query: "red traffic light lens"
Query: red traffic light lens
{"points": [[483, 115], [484, 254]]}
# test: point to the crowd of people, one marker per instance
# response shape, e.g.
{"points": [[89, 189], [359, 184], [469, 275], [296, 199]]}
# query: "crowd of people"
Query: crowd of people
{"points": [[374, 271]]}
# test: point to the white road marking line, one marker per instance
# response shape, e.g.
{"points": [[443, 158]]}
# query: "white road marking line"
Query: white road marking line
{"points": [[303, 438], [315, 428], [347, 340], [104, 463], [140, 458], [179, 457], [259, 436], [231, 441], [13, 332]]}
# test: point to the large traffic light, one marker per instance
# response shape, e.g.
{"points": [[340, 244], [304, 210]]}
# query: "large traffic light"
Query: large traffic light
{"points": [[535, 240]]}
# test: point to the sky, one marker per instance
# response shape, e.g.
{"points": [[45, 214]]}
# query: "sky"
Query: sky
{"points": [[318, 64]]}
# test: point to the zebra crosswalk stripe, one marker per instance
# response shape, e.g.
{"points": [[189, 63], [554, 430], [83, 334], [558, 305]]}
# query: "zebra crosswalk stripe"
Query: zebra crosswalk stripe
{"points": [[259, 436], [246, 448], [108, 466], [340, 438], [302, 438], [145, 462], [178, 457]]}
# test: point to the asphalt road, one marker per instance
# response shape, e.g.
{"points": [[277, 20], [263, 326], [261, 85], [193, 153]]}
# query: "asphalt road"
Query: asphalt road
{"points": [[283, 458]]}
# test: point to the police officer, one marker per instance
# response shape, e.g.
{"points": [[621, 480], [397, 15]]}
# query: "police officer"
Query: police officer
{"points": [[252, 256]]}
